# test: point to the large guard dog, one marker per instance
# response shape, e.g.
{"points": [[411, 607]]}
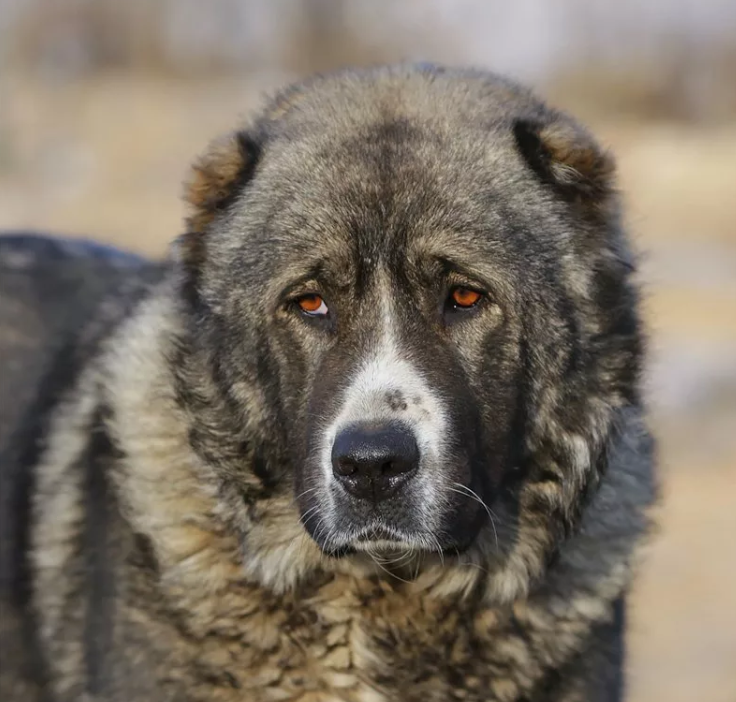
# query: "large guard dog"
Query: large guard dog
{"points": [[373, 433]]}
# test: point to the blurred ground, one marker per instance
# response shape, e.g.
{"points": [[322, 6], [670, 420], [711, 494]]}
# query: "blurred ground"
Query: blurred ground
{"points": [[105, 157]]}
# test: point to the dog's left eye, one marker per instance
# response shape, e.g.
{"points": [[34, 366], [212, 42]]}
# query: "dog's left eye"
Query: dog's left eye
{"points": [[463, 298], [312, 305]]}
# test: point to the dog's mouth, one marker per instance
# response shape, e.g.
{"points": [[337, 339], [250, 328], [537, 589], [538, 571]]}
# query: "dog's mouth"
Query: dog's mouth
{"points": [[348, 525], [384, 540], [379, 537], [374, 537], [378, 533]]}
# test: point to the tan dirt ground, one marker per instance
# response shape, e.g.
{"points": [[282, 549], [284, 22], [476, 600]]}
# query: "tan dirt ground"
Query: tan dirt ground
{"points": [[105, 158]]}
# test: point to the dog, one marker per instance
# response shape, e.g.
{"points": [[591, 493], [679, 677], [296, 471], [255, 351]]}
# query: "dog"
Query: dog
{"points": [[373, 431]]}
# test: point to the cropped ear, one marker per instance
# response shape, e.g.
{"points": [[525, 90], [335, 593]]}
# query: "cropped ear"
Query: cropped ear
{"points": [[565, 155], [214, 182], [216, 177]]}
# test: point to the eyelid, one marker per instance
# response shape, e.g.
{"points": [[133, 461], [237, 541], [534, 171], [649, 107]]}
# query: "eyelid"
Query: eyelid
{"points": [[458, 279], [291, 294]]}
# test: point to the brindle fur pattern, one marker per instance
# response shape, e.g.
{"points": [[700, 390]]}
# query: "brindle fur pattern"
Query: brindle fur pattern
{"points": [[168, 529]]}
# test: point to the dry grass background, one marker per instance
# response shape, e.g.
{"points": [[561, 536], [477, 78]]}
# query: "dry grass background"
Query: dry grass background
{"points": [[103, 154]]}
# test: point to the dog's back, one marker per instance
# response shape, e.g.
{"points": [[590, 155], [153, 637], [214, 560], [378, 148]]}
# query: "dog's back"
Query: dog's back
{"points": [[52, 295]]}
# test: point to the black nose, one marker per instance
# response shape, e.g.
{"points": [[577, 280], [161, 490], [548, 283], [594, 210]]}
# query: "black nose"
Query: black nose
{"points": [[372, 461]]}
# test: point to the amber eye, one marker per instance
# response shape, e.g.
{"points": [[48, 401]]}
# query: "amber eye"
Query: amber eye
{"points": [[464, 297], [312, 305]]}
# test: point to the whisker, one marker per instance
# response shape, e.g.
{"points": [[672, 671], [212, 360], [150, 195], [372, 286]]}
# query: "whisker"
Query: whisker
{"points": [[439, 549], [309, 512], [474, 495], [305, 492], [419, 563], [384, 569]]}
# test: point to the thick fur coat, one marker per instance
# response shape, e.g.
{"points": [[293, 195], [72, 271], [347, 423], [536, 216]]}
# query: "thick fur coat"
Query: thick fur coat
{"points": [[432, 257]]}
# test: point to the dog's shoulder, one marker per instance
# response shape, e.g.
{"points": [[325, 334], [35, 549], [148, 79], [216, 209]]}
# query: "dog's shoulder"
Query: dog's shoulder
{"points": [[50, 291]]}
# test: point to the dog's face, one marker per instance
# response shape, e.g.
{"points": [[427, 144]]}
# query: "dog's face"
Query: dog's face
{"points": [[390, 340], [415, 271]]}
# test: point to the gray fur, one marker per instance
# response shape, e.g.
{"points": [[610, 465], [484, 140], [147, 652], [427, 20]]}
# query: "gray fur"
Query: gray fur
{"points": [[171, 530]]}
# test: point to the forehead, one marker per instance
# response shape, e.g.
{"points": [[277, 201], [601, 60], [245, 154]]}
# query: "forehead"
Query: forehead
{"points": [[389, 187]]}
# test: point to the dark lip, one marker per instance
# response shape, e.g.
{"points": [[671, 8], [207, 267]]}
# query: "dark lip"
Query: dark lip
{"points": [[377, 534]]}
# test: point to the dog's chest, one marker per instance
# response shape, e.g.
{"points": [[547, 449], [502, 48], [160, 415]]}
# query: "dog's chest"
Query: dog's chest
{"points": [[340, 646], [252, 647]]}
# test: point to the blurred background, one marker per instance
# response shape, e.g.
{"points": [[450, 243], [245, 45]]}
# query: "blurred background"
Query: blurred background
{"points": [[103, 104]]}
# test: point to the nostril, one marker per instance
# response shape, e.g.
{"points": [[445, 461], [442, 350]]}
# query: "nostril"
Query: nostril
{"points": [[345, 467]]}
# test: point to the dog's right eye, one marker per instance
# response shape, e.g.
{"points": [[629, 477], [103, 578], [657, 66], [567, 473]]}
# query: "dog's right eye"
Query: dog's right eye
{"points": [[312, 305]]}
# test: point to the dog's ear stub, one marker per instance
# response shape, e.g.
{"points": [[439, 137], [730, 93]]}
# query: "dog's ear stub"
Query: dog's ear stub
{"points": [[214, 182], [217, 177], [566, 156]]}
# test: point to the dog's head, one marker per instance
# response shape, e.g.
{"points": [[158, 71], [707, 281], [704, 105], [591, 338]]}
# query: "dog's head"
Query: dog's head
{"points": [[413, 292]]}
